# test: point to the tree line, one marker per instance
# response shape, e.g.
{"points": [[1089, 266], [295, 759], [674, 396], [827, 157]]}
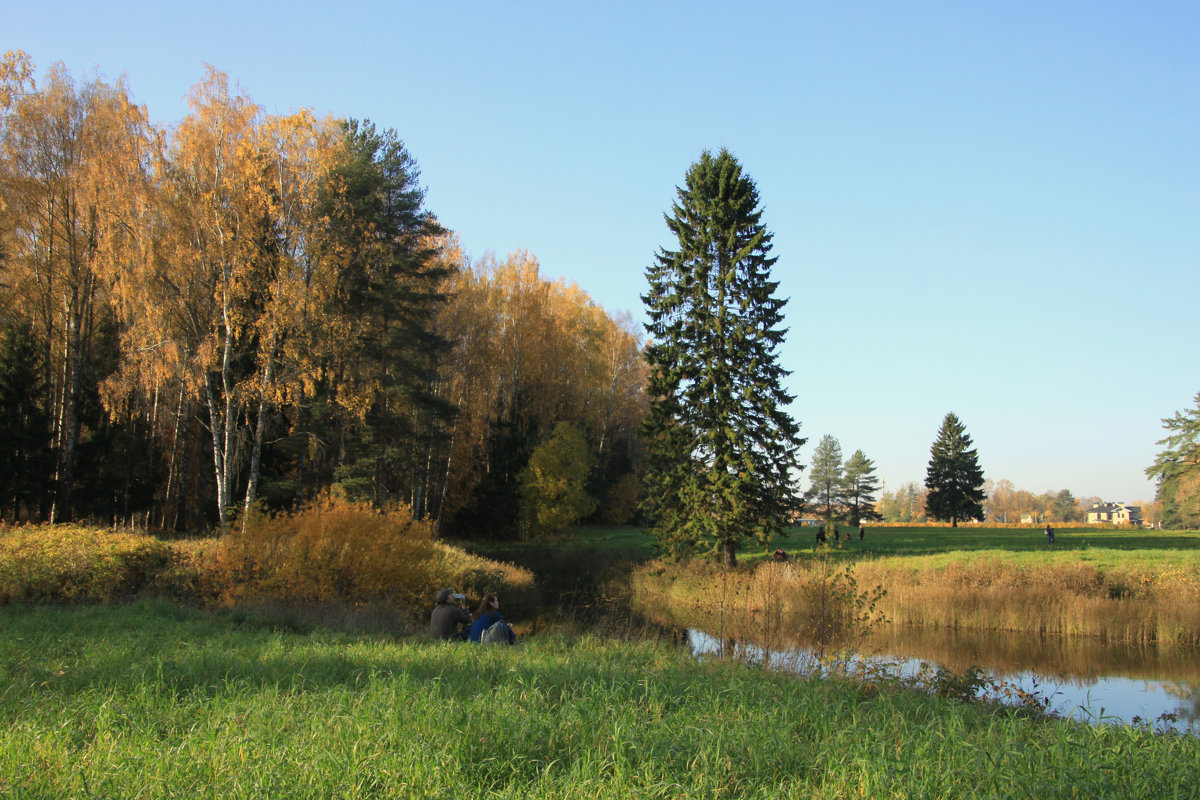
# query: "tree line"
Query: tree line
{"points": [[250, 309]]}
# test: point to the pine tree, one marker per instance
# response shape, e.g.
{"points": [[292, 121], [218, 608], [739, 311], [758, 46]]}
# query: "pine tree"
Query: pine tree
{"points": [[721, 448], [827, 480], [384, 307], [954, 478], [861, 486]]}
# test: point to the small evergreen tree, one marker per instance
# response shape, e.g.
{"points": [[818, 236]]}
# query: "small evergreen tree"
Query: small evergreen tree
{"points": [[827, 488], [861, 486], [954, 478], [721, 449], [1065, 508]]}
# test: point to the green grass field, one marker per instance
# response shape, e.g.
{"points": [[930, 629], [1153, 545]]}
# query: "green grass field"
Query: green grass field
{"points": [[1103, 546], [151, 701], [1178, 546]]}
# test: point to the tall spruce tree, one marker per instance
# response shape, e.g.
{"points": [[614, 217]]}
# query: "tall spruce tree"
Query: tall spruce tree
{"points": [[861, 487], [721, 450], [827, 487], [954, 477]]}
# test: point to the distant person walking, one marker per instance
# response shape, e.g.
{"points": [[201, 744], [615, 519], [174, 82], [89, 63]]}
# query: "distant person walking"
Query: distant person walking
{"points": [[1049, 535], [862, 531]]}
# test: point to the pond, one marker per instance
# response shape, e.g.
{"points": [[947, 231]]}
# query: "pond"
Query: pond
{"points": [[1089, 679]]}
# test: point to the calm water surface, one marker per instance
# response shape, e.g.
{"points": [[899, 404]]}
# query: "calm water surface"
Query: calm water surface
{"points": [[1088, 680]]}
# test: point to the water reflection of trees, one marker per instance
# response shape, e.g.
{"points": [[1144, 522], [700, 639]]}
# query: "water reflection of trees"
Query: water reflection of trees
{"points": [[1081, 658]]}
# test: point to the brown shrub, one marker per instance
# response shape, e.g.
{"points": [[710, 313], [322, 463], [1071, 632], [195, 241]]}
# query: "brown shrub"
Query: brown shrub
{"points": [[339, 551]]}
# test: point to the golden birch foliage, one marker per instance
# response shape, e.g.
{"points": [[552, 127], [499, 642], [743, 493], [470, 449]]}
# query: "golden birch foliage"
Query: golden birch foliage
{"points": [[16, 77], [535, 352], [73, 169], [301, 148], [225, 293]]}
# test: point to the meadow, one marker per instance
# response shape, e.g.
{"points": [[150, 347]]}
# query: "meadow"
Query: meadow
{"points": [[151, 700], [131, 667]]}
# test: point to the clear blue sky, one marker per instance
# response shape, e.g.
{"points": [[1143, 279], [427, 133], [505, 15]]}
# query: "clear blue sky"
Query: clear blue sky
{"points": [[989, 208]]}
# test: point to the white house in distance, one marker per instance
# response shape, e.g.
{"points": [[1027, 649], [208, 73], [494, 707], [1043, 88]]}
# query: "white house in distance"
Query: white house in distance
{"points": [[1118, 513]]}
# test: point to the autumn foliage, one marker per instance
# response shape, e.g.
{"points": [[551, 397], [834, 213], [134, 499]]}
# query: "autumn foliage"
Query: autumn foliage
{"points": [[253, 307], [332, 551], [338, 550], [69, 563]]}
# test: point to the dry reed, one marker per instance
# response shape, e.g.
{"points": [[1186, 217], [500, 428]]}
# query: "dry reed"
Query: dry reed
{"points": [[1137, 603]]}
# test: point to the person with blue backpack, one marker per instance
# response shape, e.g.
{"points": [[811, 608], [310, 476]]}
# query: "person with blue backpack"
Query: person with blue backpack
{"points": [[488, 626]]}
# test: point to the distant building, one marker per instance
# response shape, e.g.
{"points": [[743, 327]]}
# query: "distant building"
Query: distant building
{"points": [[1118, 513]]}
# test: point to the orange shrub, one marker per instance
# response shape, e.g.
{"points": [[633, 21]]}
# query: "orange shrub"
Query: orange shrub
{"points": [[336, 550]]}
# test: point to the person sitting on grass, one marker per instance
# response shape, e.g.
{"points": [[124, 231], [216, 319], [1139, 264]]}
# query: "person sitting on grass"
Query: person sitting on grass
{"points": [[487, 615], [447, 616]]}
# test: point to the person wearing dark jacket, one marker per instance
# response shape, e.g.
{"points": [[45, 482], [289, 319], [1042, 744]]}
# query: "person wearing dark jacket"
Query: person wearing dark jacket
{"points": [[487, 615], [446, 618]]}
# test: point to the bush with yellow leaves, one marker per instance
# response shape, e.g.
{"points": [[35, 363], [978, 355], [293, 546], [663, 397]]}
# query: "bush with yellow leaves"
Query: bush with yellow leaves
{"points": [[338, 550], [72, 563]]}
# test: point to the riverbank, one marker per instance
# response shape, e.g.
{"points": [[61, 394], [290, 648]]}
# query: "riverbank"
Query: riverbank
{"points": [[150, 700], [1139, 588]]}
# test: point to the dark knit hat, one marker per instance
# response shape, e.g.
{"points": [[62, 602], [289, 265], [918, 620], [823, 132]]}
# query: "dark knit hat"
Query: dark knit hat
{"points": [[444, 595]]}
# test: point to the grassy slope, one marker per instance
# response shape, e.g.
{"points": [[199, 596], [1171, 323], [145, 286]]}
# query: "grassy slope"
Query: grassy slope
{"points": [[1080, 543], [1084, 543], [150, 701]]}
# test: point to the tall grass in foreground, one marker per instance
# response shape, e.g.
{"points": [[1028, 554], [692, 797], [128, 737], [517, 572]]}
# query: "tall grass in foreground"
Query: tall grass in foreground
{"points": [[150, 701]]}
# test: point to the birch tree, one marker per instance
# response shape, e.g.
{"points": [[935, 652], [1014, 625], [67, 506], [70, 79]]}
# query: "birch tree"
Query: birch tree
{"points": [[73, 162]]}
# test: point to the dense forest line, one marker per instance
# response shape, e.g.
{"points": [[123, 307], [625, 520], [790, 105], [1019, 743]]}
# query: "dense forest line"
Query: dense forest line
{"points": [[252, 309]]}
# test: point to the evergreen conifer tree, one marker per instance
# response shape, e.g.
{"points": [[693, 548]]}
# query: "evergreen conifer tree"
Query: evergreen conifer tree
{"points": [[1177, 469], [722, 450], [861, 487], [827, 480], [954, 477], [387, 300]]}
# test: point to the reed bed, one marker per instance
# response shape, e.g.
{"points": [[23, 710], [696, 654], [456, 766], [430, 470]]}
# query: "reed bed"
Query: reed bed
{"points": [[153, 701], [1118, 596], [1134, 600]]}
